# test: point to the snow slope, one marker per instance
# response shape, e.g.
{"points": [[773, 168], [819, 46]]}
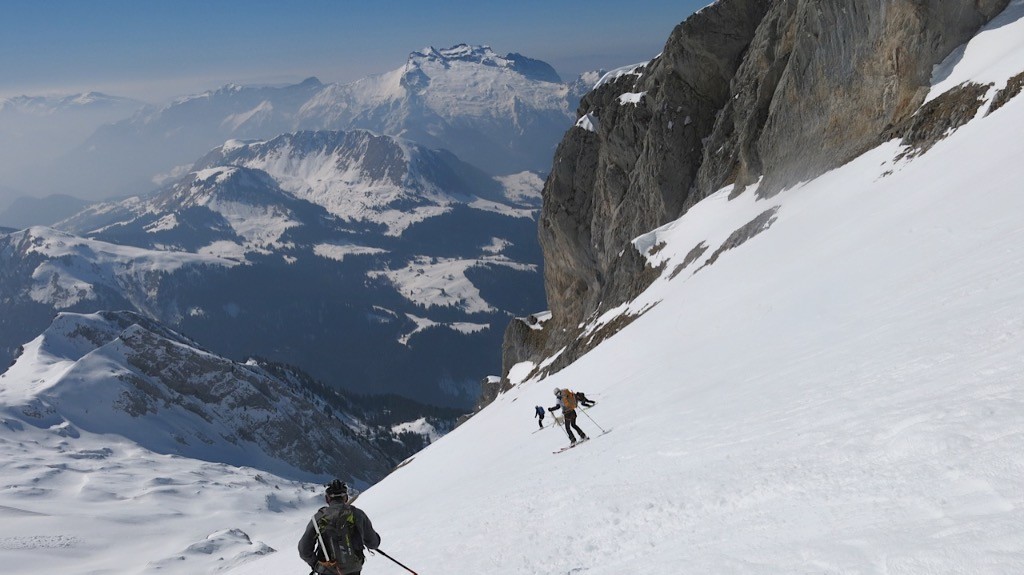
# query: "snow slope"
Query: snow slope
{"points": [[840, 394], [70, 268]]}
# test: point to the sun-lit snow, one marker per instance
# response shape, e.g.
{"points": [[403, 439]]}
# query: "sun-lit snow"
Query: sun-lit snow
{"points": [[442, 282], [503, 209], [613, 75], [86, 503], [994, 55], [458, 88], [258, 114], [420, 426], [496, 246], [224, 249], [522, 187], [168, 222], [339, 251], [423, 323], [348, 181], [75, 266], [631, 98], [588, 122]]}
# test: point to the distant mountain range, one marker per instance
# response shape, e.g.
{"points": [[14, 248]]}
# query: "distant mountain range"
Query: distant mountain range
{"points": [[374, 263], [503, 114], [37, 131], [55, 105]]}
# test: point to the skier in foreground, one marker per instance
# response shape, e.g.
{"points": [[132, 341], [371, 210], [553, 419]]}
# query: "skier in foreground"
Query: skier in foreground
{"points": [[567, 403], [334, 539]]}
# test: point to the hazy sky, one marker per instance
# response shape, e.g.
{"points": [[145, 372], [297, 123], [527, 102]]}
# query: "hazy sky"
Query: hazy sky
{"points": [[154, 50]]}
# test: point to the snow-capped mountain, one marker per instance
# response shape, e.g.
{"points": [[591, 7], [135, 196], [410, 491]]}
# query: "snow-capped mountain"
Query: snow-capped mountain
{"points": [[228, 210], [372, 263], [59, 269], [503, 114], [119, 373], [359, 176]]}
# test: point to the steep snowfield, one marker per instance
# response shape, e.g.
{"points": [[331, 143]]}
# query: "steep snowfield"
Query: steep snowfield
{"points": [[839, 394]]}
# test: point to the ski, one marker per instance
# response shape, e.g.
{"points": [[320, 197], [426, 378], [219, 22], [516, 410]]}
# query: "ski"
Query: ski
{"points": [[589, 437]]}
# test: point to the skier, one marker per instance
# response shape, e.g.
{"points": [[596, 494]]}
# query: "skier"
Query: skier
{"points": [[334, 539], [567, 403], [583, 400], [539, 414]]}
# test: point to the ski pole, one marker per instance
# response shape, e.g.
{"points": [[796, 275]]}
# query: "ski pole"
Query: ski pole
{"points": [[320, 538], [396, 562], [594, 422], [564, 429]]}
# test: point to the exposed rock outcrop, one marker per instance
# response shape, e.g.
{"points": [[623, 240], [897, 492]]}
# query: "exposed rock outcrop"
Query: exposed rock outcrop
{"points": [[941, 116], [1013, 89], [823, 81], [776, 91], [635, 171]]}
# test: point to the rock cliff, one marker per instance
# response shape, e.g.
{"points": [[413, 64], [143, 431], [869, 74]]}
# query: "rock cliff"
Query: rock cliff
{"points": [[777, 91]]}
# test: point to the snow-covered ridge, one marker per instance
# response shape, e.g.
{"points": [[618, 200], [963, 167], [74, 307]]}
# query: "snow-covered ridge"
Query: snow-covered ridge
{"points": [[119, 373], [479, 54], [484, 56], [613, 75], [68, 269], [361, 176]]}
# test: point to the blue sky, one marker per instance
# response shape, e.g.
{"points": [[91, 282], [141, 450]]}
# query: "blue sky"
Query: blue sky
{"points": [[155, 50]]}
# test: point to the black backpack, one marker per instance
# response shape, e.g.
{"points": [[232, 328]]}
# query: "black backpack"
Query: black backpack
{"points": [[338, 544]]}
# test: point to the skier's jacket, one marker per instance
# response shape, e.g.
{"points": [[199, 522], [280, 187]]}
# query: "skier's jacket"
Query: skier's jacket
{"points": [[346, 531]]}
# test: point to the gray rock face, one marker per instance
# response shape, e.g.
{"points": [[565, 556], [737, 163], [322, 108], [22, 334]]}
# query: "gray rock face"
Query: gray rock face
{"points": [[745, 90], [823, 81], [635, 171]]}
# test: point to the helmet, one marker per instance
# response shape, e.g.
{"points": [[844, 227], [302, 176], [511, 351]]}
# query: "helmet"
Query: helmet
{"points": [[558, 392], [336, 488]]}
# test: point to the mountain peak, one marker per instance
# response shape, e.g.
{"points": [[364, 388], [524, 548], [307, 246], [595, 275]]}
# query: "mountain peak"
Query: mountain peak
{"points": [[484, 55]]}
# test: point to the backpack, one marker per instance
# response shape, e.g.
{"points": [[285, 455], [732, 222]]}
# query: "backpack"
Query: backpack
{"points": [[336, 531], [568, 399]]}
